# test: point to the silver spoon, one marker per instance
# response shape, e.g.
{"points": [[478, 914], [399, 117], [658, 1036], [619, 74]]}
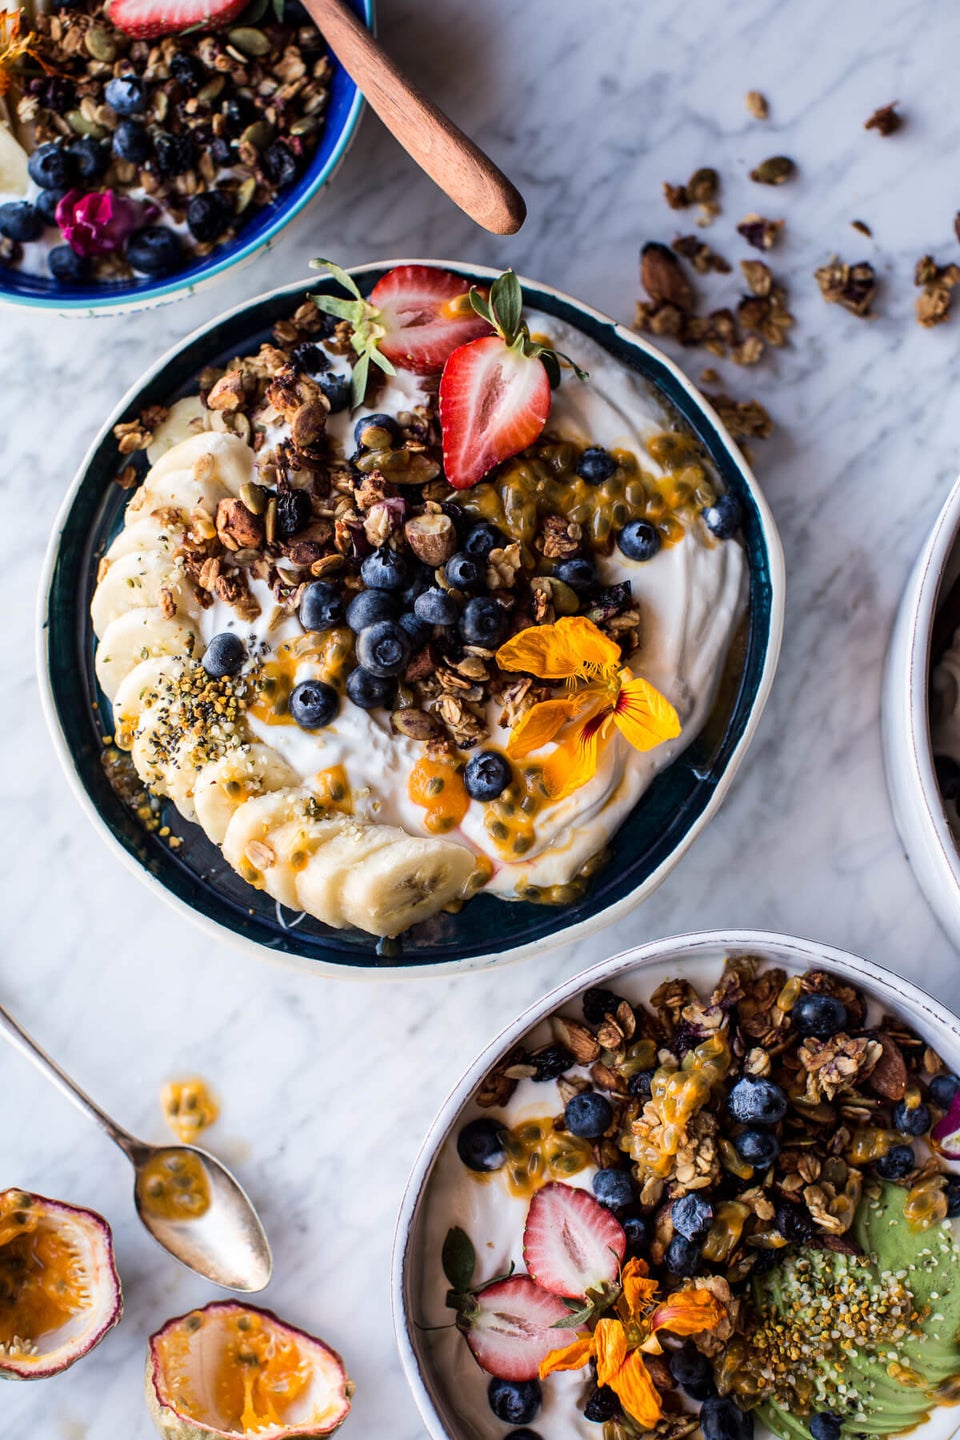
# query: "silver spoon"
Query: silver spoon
{"points": [[223, 1240]]}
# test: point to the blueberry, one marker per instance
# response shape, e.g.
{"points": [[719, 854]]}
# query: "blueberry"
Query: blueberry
{"points": [[487, 775], [596, 465], [602, 1405], [722, 518], [155, 250], [757, 1147], [418, 630], [208, 215], [367, 691], [376, 432], [948, 776], [224, 655], [579, 574], [464, 571], [437, 607], [313, 704], [614, 1188], [294, 513], [175, 153], [722, 1420], [598, 1003], [637, 1232], [51, 167], [641, 1084], [898, 1162], [46, 204], [337, 390], [481, 1144], [692, 1371], [369, 607], [131, 141], [943, 1088], [692, 1216], [90, 157], [187, 70], [19, 220], [819, 1015], [550, 1063], [639, 540], [825, 1425], [755, 1101], [682, 1256], [321, 606], [515, 1402], [310, 359], [911, 1119], [280, 163], [483, 622], [588, 1115], [481, 539], [383, 648], [66, 265], [952, 1192], [384, 570], [126, 95]]}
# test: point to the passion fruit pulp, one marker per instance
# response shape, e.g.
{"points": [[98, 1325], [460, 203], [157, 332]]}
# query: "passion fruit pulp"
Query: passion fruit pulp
{"points": [[232, 1370], [59, 1288]]}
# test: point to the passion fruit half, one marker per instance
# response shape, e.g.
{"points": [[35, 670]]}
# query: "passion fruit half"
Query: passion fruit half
{"points": [[236, 1370], [59, 1287]]}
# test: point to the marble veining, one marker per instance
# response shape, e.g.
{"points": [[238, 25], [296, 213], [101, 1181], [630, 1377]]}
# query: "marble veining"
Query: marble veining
{"points": [[327, 1087]]}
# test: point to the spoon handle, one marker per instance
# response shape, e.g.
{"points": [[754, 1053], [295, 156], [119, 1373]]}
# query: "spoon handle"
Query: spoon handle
{"points": [[439, 147], [21, 1041]]}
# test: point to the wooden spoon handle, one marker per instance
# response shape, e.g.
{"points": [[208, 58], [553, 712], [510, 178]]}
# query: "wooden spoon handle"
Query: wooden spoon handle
{"points": [[452, 160]]}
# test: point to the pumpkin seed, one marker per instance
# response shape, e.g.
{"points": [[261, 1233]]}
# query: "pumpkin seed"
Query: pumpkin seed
{"points": [[254, 497], [212, 89], [259, 135], [80, 125], [248, 40], [101, 44], [245, 194]]}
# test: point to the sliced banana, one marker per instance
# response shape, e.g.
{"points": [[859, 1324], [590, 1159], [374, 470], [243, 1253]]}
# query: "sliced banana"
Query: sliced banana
{"points": [[186, 767], [232, 459], [185, 419], [136, 636], [248, 844], [135, 582], [150, 751], [141, 535], [404, 881], [14, 178], [146, 683], [236, 777], [321, 882], [178, 490]]}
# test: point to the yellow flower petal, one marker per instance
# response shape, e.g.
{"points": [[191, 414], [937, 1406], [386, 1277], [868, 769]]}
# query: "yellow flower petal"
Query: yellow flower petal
{"points": [[610, 1342], [643, 715], [638, 1288], [540, 724], [638, 1394], [570, 1357], [574, 761], [572, 647], [687, 1312]]}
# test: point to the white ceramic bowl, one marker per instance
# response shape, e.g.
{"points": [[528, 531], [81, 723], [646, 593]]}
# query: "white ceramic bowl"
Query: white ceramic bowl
{"points": [[444, 1397], [908, 754]]}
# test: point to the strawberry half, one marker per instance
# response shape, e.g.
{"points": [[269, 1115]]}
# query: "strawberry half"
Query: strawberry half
{"points": [[425, 314], [145, 19], [509, 1327], [571, 1244], [495, 393]]}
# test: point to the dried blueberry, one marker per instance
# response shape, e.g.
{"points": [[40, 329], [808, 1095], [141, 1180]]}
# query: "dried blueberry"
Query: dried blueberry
{"points": [[187, 70], [598, 1004], [551, 1062], [337, 390], [310, 359], [682, 1256], [293, 512], [602, 1405], [280, 164], [174, 153], [208, 215]]}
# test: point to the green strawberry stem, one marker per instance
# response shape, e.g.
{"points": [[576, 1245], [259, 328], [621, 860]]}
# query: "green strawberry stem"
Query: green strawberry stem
{"points": [[504, 311], [367, 330]]}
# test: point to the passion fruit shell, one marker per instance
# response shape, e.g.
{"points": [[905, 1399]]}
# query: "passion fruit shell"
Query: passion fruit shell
{"points": [[232, 1370], [59, 1287]]}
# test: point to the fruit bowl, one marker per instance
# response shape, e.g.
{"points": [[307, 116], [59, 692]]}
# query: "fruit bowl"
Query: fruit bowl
{"points": [[654, 836], [43, 292], [450, 1389]]}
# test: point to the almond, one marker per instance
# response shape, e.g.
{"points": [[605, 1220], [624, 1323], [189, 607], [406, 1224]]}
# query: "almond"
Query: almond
{"points": [[661, 275], [431, 537]]}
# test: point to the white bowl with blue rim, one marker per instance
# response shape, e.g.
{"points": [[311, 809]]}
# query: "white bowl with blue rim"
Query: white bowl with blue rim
{"points": [[43, 292], [907, 747], [677, 806]]}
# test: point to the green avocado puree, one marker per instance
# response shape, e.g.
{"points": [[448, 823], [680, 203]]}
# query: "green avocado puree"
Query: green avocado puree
{"points": [[874, 1338]]}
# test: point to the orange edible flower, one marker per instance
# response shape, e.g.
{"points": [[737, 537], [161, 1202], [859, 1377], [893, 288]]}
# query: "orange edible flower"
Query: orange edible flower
{"points": [[618, 1342], [601, 695], [14, 46]]}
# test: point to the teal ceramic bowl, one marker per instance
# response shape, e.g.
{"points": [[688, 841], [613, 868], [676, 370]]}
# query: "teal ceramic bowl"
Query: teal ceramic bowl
{"points": [[194, 878]]}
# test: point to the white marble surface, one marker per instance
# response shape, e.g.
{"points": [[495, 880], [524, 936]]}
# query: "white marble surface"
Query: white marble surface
{"points": [[327, 1088]]}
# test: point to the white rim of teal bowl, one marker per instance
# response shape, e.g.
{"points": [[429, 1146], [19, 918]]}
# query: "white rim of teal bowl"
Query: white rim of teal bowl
{"points": [[905, 717], [580, 931], [59, 303], [902, 995]]}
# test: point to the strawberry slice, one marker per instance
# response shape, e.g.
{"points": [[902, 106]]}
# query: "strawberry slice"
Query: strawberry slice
{"points": [[147, 18], [425, 314], [509, 1327], [571, 1244], [494, 402]]}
